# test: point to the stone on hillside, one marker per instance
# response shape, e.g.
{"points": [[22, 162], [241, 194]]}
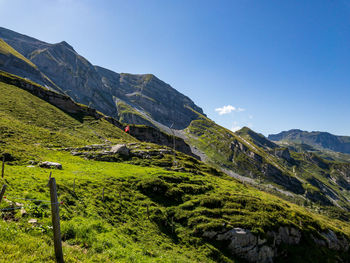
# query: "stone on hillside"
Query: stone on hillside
{"points": [[33, 221], [121, 149], [23, 212], [48, 164]]}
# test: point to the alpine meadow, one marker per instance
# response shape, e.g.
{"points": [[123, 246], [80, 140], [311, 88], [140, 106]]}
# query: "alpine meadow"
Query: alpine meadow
{"points": [[103, 166]]}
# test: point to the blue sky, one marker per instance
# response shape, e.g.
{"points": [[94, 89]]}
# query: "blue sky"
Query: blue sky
{"points": [[275, 65]]}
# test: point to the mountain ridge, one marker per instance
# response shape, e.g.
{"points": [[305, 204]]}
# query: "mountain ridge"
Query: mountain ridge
{"points": [[316, 139], [98, 87]]}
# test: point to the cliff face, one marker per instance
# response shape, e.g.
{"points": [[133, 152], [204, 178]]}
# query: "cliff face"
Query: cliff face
{"points": [[100, 88]]}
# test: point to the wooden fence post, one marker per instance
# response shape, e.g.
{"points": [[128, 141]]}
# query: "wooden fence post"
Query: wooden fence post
{"points": [[148, 211], [3, 166], [3, 189], [56, 221]]}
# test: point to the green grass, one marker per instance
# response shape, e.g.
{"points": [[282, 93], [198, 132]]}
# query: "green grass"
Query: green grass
{"points": [[150, 213]]}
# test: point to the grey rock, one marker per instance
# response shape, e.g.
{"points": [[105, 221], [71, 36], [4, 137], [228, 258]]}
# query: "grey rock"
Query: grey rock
{"points": [[48, 164], [244, 244], [284, 154], [121, 149], [33, 221], [286, 235]]}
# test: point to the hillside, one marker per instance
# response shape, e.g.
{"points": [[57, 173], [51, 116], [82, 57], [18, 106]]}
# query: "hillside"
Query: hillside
{"points": [[151, 209], [323, 140], [250, 157]]}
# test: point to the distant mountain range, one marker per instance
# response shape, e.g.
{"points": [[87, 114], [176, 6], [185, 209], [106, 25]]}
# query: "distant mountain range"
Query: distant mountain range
{"points": [[323, 140]]}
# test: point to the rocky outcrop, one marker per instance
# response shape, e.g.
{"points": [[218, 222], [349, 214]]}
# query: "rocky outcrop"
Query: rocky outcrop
{"points": [[61, 101], [277, 176], [150, 134], [244, 244], [341, 175], [269, 171], [284, 154], [51, 165], [120, 149]]}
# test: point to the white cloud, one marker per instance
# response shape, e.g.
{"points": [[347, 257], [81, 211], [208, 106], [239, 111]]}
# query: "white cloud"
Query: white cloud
{"points": [[228, 109]]}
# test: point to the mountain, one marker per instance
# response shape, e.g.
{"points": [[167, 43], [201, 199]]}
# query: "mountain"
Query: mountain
{"points": [[134, 99], [13, 62], [152, 107], [56, 105], [126, 200], [323, 140]]}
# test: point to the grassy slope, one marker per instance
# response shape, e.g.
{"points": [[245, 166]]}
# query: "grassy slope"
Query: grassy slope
{"points": [[216, 141], [181, 205]]}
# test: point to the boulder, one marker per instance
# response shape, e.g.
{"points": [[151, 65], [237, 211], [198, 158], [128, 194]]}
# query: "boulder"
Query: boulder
{"points": [[33, 221], [120, 149], [48, 164]]}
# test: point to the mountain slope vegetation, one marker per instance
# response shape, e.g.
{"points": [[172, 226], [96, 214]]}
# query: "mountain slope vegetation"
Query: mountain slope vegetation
{"points": [[151, 210], [176, 188]]}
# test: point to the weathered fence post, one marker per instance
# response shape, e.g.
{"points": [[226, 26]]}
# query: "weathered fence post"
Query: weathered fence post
{"points": [[3, 166], [56, 221], [148, 211], [3, 189]]}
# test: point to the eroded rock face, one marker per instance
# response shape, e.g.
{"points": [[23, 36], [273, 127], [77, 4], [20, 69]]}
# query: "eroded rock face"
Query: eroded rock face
{"points": [[284, 154], [150, 134], [270, 172], [244, 244], [285, 235]]}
